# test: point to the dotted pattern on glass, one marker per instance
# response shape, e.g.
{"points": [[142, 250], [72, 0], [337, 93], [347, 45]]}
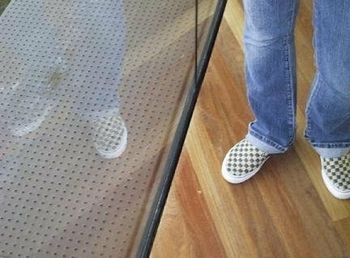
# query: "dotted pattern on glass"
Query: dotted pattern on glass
{"points": [[89, 94]]}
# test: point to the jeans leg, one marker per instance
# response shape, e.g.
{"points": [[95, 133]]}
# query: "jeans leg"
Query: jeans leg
{"points": [[270, 72], [328, 109]]}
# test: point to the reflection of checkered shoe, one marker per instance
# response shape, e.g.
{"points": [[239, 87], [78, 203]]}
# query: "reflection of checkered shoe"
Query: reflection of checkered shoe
{"points": [[110, 136], [28, 115], [336, 175], [242, 162], [33, 99]]}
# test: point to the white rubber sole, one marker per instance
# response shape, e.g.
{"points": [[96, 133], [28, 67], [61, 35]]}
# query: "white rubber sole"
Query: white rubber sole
{"points": [[238, 179], [117, 152], [342, 195]]}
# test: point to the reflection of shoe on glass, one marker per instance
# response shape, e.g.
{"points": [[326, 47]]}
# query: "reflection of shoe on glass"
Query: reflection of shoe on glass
{"points": [[29, 114], [110, 136], [33, 102]]}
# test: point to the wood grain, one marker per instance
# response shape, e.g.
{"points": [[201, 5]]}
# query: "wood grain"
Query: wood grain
{"points": [[285, 210]]}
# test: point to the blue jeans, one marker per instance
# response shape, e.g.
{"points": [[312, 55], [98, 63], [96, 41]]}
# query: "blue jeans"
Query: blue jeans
{"points": [[271, 75]]}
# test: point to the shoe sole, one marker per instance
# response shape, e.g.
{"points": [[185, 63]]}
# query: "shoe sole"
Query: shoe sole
{"points": [[237, 180], [335, 192]]}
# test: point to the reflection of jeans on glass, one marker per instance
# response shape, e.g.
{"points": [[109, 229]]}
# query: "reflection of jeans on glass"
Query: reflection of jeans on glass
{"points": [[271, 80], [94, 46], [83, 40], [67, 54]]}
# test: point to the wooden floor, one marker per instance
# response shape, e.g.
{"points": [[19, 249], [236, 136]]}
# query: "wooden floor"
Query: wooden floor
{"points": [[285, 210]]}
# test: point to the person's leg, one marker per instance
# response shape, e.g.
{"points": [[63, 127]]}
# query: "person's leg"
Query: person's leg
{"points": [[270, 72], [271, 86], [328, 109]]}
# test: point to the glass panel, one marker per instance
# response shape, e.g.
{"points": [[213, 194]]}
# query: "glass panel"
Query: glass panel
{"points": [[91, 93], [206, 11]]}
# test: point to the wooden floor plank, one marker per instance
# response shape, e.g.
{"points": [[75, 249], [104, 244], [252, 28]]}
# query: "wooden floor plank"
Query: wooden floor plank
{"points": [[343, 227], [187, 221]]}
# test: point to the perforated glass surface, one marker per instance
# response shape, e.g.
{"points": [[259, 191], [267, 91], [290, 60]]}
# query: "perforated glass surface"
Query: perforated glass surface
{"points": [[91, 92]]}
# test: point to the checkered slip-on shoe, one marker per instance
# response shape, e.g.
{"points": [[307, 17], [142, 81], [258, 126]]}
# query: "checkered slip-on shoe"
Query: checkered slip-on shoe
{"points": [[336, 175], [242, 162], [110, 136]]}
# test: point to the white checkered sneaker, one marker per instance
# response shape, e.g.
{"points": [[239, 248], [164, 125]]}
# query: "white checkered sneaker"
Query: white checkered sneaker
{"points": [[336, 175], [242, 162], [110, 136]]}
